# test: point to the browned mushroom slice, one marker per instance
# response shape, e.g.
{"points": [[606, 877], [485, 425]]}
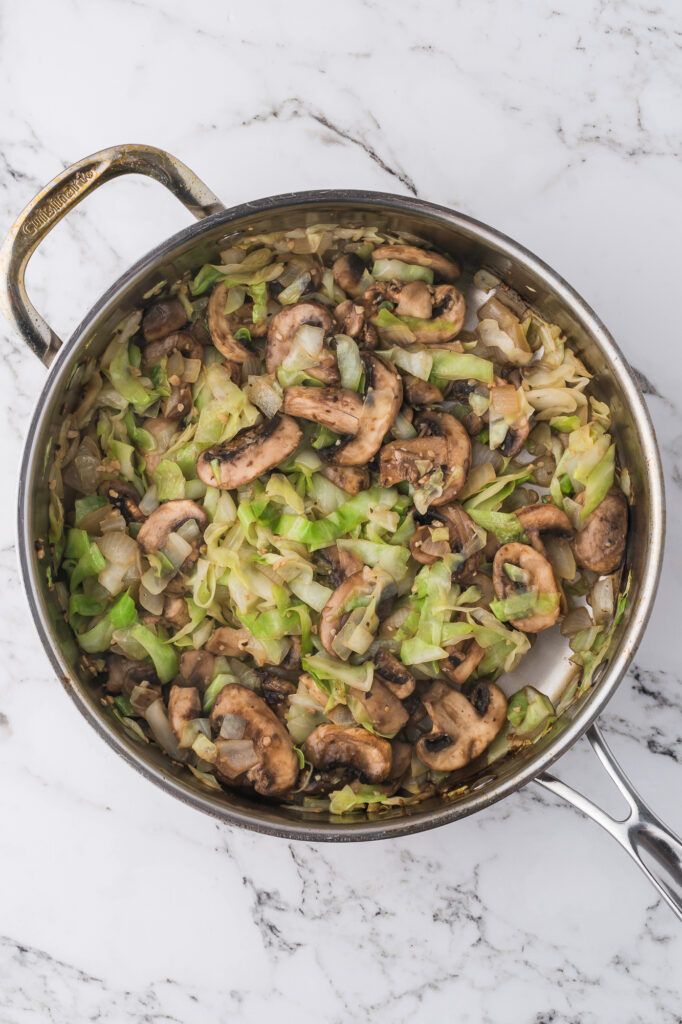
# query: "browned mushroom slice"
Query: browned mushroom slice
{"points": [[415, 299], [543, 517], [442, 267], [444, 444], [184, 704], [411, 460], [456, 469], [281, 333], [351, 479], [229, 642], [250, 453], [331, 746], [420, 392], [536, 577], [393, 674], [600, 544], [183, 341], [276, 692], [383, 398], [401, 761], [461, 661], [342, 564], [163, 318], [385, 710], [197, 668], [175, 612], [276, 771], [223, 326], [123, 675], [336, 408], [123, 496], [360, 584], [179, 403], [348, 271], [352, 320], [447, 316], [157, 528], [462, 727], [427, 546]]}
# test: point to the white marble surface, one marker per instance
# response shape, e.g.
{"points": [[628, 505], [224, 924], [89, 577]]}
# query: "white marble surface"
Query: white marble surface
{"points": [[560, 123]]}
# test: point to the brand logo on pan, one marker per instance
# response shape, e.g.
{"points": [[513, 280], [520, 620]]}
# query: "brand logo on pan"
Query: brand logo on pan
{"points": [[55, 204]]}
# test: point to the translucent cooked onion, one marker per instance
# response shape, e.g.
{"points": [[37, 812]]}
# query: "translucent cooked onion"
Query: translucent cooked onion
{"points": [[341, 715], [233, 727], [191, 371], [163, 734], [261, 393], [561, 556], [236, 756], [92, 522], [81, 474], [142, 696], [153, 583], [177, 549], [149, 502], [602, 599], [152, 603], [118, 548], [576, 620], [113, 522], [176, 364]]}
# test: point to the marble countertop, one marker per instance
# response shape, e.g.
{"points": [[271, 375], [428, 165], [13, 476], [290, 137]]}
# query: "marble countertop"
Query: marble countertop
{"points": [[561, 124]]}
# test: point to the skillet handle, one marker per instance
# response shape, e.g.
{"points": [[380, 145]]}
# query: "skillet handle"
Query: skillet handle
{"points": [[61, 195], [639, 832]]}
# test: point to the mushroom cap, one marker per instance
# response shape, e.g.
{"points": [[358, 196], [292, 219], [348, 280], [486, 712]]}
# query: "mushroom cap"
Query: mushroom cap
{"points": [[331, 617], [197, 668], [250, 453], [415, 299], [184, 704], [541, 579], [282, 329], [461, 661], [277, 770], [348, 271], [449, 309], [462, 727], [124, 496], [337, 408], [543, 517], [351, 479], [163, 318], [229, 642], [157, 527], [342, 563], [331, 746], [183, 341], [222, 327], [385, 710], [411, 460], [383, 398], [461, 534], [600, 545], [420, 392], [443, 267], [443, 442], [393, 674], [123, 674]]}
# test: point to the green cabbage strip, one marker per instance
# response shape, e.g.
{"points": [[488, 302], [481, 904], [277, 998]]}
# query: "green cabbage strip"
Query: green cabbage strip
{"points": [[523, 604], [391, 557], [491, 496], [342, 801], [169, 480], [432, 601], [164, 657], [396, 270], [504, 525], [589, 660], [461, 366], [323, 532], [415, 360], [350, 364], [123, 613], [326, 670], [504, 646]]}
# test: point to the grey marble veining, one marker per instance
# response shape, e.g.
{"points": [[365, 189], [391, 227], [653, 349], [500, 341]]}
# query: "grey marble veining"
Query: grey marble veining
{"points": [[559, 123]]}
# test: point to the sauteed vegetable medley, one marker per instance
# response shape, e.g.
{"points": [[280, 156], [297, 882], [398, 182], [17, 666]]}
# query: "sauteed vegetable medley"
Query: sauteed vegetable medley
{"points": [[307, 508]]}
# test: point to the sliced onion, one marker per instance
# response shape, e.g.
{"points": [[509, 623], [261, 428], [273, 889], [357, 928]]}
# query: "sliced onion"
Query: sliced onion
{"points": [[118, 548], [576, 620], [177, 548], [142, 696], [341, 715], [176, 364], [263, 394], [163, 734], [192, 729], [155, 584], [602, 598], [111, 578], [189, 531], [151, 602], [113, 522], [149, 502], [233, 727], [192, 370], [561, 556], [81, 474], [92, 522], [236, 756]]}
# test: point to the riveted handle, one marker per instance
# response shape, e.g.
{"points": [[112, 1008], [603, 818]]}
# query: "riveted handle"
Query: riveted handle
{"points": [[54, 202], [653, 846]]}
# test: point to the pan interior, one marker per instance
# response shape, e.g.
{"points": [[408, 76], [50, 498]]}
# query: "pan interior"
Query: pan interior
{"points": [[545, 667]]}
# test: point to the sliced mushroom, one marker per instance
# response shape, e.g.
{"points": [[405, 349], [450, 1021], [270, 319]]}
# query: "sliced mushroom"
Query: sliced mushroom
{"points": [[123, 675], [348, 271], [385, 711], [393, 674], [415, 299], [179, 402], [401, 762], [163, 318], [447, 316], [184, 705], [600, 544], [331, 746], [462, 727], [461, 661], [539, 579], [444, 444], [229, 642], [342, 564], [197, 668], [277, 769], [339, 409], [157, 528], [383, 398], [332, 616], [175, 613], [276, 692], [123, 496], [420, 392], [183, 341], [281, 333], [442, 266], [543, 517], [351, 479], [223, 326], [351, 318], [250, 453], [462, 537]]}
